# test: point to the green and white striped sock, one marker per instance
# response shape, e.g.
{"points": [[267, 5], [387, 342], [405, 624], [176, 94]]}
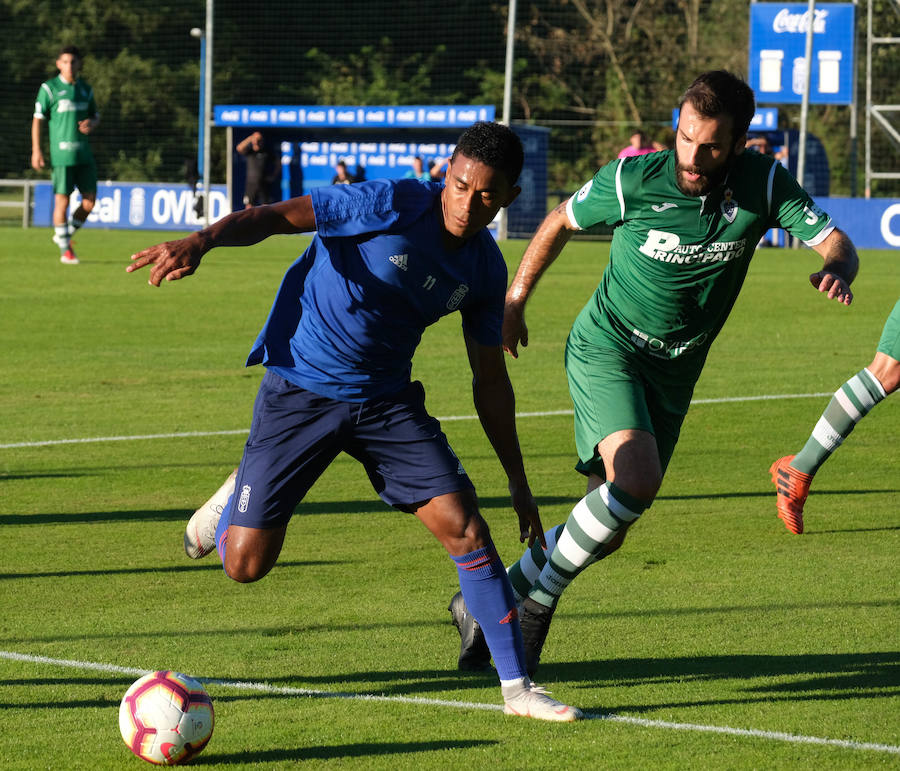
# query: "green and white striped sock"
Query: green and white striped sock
{"points": [[850, 404], [61, 237], [594, 521], [525, 572]]}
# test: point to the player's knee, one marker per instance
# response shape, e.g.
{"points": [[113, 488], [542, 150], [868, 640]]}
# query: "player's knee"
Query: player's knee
{"points": [[887, 371], [455, 521], [87, 204], [642, 488], [244, 569]]}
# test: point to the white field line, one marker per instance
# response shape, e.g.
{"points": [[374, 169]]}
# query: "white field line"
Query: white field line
{"points": [[448, 418], [421, 701]]}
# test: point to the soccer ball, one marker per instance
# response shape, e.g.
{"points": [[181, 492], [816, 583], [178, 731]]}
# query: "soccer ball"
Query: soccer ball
{"points": [[166, 718]]}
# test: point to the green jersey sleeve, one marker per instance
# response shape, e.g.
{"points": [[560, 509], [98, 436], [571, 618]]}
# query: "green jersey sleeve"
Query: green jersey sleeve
{"points": [[794, 210], [43, 102], [600, 200]]}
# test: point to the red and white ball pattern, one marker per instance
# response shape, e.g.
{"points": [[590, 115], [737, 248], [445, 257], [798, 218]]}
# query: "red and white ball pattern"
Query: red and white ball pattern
{"points": [[166, 718]]}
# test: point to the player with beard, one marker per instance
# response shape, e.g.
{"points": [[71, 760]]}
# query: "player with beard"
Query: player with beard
{"points": [[687, 223]]}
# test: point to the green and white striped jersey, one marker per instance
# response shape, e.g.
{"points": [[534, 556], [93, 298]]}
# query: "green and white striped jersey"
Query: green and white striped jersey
{"points": [[677, 262]]}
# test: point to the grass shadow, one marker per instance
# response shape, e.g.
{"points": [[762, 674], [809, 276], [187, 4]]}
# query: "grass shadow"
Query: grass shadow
{"points": [[341, 751]]}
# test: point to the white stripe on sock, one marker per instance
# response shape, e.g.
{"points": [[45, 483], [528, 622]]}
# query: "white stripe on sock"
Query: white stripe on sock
{"points": [[621, 511], [876, 382], [528, 566], [848, 406], [862, 393], [552, 581], [825, 435], [571, 550], [593, 528]]}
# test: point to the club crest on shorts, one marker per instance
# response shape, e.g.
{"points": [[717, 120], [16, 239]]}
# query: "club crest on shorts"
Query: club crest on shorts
{"points": [[729, 206], [244, 500]]}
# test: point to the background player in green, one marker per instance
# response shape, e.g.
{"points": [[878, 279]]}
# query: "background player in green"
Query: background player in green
{"points": [[687, 223], [67, 103], [793, 475]]}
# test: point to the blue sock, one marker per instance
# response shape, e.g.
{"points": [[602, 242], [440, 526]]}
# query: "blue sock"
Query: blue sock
{"points": [[222, 529], [489, 598]]}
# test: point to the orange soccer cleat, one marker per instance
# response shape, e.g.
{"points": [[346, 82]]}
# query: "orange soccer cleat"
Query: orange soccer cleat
{"points": [[792, 487], [69, 257]]}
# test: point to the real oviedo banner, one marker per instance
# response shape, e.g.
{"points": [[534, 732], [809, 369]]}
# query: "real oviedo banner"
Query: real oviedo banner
{"points": [[137, 206]]}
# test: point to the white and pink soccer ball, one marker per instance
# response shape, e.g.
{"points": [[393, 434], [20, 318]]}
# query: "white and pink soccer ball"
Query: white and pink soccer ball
{"points": [[166, 718]]}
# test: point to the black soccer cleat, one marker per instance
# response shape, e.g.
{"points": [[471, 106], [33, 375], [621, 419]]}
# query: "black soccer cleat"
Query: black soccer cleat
{"points": [[474, 654], [534, 619]]}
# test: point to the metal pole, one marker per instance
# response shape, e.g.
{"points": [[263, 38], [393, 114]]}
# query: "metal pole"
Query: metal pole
{"points": [[868, 184], [207, 108], [507, 96], [200, 35], [854, 128], [201, 108], [508, 71], [804, 109]]}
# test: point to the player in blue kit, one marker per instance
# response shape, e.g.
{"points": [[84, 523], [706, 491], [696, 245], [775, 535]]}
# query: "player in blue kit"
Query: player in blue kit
{"points": [[388, 259]]}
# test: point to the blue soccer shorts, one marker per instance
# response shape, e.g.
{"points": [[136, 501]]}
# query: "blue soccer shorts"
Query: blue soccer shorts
{"points": [[296, 434]]}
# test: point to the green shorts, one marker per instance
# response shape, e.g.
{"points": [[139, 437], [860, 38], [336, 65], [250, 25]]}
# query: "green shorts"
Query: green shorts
{"points": [[889, 344], [614, 389], [67, 178]]}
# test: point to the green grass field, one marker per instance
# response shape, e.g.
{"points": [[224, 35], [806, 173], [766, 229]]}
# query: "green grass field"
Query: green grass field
{"points": [[713, 639]]}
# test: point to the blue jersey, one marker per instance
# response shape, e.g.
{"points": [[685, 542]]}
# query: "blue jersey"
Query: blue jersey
{"points": [[352, 308]]}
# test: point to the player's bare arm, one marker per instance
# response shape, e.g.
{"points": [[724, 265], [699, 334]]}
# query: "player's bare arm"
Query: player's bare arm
{"points": [[495, 404], [545, 246], [840, 268], [37, 157], [173, 260], [87, 125]]}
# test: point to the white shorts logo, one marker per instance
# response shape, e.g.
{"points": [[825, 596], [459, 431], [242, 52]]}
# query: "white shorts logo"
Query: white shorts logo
{"points": [[244, 500]]}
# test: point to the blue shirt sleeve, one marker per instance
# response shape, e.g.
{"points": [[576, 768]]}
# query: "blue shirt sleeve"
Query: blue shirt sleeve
{"points": [[483, 319], [377, 205]]}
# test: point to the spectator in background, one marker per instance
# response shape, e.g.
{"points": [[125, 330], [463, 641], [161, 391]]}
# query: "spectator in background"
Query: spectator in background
{"points": [[66, 102], [259, 169], [418, 171], [638, 145], [342, 176]]}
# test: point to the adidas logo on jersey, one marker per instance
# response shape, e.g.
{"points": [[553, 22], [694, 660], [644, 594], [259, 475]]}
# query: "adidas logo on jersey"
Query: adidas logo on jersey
{"points": [[399, 260]]}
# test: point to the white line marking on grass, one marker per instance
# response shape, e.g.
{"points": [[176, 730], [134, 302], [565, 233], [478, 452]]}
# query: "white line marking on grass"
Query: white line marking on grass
{"points": [[422, 701], [447, 418]]}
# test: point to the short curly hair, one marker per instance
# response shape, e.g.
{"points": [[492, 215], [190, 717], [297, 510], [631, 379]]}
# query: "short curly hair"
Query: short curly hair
{"points": [[494, 145]]}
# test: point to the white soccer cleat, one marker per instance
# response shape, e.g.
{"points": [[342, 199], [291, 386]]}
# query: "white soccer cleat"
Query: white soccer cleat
{"points": [[200, 533], [530, 700]]}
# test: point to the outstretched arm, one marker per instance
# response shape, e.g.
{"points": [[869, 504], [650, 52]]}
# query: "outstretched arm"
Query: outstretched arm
{"points": [[839, 270], [495, 404], [176, 259], [546, 244]]}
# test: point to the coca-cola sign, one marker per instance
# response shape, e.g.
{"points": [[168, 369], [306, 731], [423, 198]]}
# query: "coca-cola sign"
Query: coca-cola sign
{"points": [[785, 21], [779, 72]]}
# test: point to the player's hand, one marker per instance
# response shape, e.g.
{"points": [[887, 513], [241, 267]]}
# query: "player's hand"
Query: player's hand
{"points": [[37, 160], [525, 506], [86, 126], [833, 285], [171, 261], [515, 330]]}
